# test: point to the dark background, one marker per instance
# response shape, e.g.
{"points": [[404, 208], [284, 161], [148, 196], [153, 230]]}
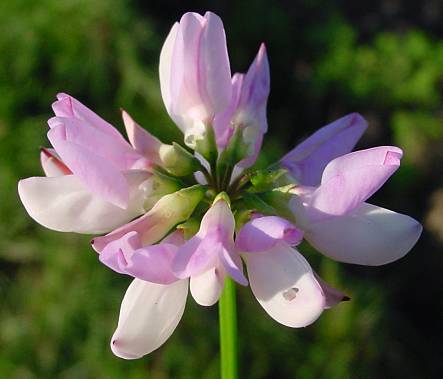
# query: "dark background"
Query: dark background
{"points": [[384, 59]]}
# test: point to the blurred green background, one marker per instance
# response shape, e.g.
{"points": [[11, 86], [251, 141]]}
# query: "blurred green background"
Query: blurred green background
{"points": [[382, 58]]}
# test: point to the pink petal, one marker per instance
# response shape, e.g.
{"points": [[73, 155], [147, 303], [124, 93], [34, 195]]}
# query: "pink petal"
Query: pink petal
{"points": [[118, 152], [142, 141], [307, 161], [195, 71], [95, 172], [222, 121], [285, 286], [153, 263], [349, 180], [247, 109], [263, 233], [207, 247], [332, 296], [67, 106], [149, 315], [256, 85], [214, 69], [197, 256], [116, 254], [185, 96], [233, 265]]}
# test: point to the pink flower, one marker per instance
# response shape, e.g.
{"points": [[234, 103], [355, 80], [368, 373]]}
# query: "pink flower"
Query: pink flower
{"points": [[178, 218]]}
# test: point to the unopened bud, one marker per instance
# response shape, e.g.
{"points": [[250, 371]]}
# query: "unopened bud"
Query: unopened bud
{"points": [[156, 186], [177, 160]]}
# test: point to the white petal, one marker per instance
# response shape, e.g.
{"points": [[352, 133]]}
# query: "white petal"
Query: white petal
{"points": [[149, 315], [369, 235], [285, 286], [64, 204], [206, 288]]}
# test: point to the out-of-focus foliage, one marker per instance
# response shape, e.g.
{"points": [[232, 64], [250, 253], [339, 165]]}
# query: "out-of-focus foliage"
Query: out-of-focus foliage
{"points": [[59, 306]]}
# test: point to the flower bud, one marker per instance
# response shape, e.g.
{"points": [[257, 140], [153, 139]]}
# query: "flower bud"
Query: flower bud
{"points": [[177, 160], [156, 186]]}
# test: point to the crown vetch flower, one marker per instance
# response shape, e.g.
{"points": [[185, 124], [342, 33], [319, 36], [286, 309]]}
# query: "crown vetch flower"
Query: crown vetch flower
{"points": [[189, 217]]}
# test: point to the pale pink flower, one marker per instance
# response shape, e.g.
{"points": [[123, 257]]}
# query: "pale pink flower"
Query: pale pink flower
{"points": [[170, 232]]}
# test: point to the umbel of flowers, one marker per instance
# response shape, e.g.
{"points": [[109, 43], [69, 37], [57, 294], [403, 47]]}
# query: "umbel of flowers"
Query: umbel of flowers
{"points": [[186, 216]]}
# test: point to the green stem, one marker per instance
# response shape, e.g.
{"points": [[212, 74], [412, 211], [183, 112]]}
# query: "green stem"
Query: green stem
{"points": [[228, 331]]}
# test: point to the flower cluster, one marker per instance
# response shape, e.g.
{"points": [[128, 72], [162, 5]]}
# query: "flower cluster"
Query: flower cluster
{"points": [[189, 216]]}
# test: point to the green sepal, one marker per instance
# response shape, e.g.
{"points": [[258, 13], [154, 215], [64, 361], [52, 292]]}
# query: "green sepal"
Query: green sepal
{"points": [[279, 199], [207, 146], [242, 216], [267, 179], [189, 227], [222, 196]]}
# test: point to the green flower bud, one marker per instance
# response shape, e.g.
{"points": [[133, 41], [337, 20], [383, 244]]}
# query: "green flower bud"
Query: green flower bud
{"points": [[177, 160]]}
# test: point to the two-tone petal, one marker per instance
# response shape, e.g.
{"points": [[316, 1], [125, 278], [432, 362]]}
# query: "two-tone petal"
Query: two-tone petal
{"points": [[351, 179]]}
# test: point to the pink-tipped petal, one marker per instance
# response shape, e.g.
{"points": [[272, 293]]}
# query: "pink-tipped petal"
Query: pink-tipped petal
{"points": [[149, 315], [307, 161], [207, 287], [63, 203], [332, 295], [262, 233], [349, 180], [369, 235], [285, 286], [52, 164]]}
